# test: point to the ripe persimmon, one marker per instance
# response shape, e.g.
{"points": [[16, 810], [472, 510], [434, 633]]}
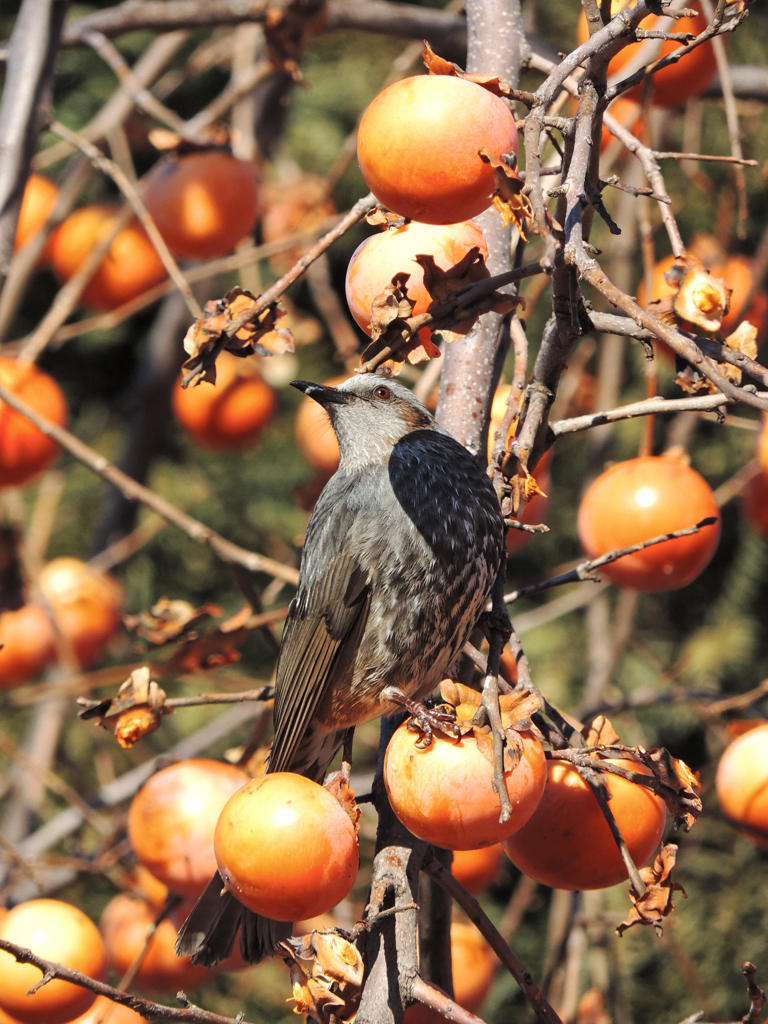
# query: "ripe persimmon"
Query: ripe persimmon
{"points": [[378, 258], [231, 413], [125, 923], [675, 84], [567, 843], [443, 793], [741, 783], [762, 444], [28, 640], [315, 436], [642, 498], [203, 203], [628, 113], [476, 869], [130, 266], [105, 1011], [418, 146], [285, 847], [24, 449], [37, 203], [755, 502], [55, 931], [294, 207], [86, 603], [172, 818], [473, 964]]}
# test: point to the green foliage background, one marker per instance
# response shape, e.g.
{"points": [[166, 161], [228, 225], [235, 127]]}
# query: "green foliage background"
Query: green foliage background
{"points": [[709, 638]]}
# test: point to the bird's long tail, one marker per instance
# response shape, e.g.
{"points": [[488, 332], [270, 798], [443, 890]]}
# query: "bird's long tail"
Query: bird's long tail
{"points": [[209, 932]]}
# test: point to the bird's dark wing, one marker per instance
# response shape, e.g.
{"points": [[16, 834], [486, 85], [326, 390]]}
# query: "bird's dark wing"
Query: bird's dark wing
{"points": [[209, 931], [320, 641]]}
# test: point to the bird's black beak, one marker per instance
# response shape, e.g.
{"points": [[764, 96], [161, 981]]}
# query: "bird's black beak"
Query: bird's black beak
{"points": [[321, 393]]}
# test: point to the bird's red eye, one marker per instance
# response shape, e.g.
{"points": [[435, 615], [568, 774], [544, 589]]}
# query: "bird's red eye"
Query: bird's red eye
{"points": [[382, 391]]}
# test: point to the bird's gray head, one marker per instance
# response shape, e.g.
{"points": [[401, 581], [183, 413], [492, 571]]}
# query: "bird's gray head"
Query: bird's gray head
{"points": [[369, 414]]}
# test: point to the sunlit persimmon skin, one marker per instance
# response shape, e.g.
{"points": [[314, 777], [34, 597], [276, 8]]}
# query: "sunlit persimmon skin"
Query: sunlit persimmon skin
{"points": [[762, 444], [377, 259], [443, 793], [285, 847], [27, 637], [473, 964], [59, 932], [40, 195], [130, 266], [418, 146], [642, 498], [203, 203], [567, 844], [87, 605], [675, 84], [755, 502], [230, 414], [627, 112], [104, 1011], [172, 819], [476, 869], [741, 783], [24, 449], [125, 924]]}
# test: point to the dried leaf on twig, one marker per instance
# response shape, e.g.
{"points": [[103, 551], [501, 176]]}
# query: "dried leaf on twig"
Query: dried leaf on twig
{"points": [[168, 619], [682, 789], [326, 975], [656, 901], [220, 646], [437, 65], [235, 324], [134, 713], [509, 201]]}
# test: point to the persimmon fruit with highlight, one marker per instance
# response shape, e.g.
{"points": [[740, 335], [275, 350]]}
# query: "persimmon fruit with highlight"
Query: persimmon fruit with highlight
{"points": [[294, 207], [476, 869], [125, 924], [675, 84], [203, 203], [56, 931], [418, 146], [473, 964], [37, 203], [230, 414], [285, 847], [443, 793], [28, 644], [172, 818], [628, 113], [642, 498], [131, 264], [87, 605], [25, 450], [378, 258], [741, 783], [105, 1011], [567, 843]]}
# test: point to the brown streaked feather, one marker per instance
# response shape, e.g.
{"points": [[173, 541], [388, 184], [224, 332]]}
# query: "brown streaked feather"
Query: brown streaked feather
{"points": [[320, 640]]}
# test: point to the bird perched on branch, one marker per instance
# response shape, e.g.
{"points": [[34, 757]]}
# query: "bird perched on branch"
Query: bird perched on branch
{"points": [[399, 559]]}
